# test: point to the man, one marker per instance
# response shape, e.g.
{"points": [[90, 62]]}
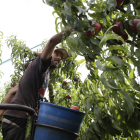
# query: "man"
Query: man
{"points": [[26, 92]]}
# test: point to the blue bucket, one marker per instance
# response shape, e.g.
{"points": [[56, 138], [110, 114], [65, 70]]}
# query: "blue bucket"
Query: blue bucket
{"points": [[54, 120], [43, 132]]}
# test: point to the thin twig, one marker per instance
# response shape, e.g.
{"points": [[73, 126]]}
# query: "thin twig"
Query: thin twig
{"points": [[121, 9]]}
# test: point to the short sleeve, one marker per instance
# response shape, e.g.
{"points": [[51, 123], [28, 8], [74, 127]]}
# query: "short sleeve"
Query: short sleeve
{"points": [[45, 64]]}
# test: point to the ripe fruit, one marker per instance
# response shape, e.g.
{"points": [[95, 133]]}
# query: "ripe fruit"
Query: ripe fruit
{"points": [[98, 27], [124, 36], [75, 79], [134, 27], [116, 29], [103, 91], [119, 2], [25, 54], [120, 57], [91, 59], [27, 64], [65, 83], [37, 54], [14, 85], [75, 108], [69, 97], [89, 33]]}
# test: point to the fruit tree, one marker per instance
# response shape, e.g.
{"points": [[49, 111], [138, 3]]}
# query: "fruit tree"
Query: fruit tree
{"points": [[110, 94], [106, 34]]}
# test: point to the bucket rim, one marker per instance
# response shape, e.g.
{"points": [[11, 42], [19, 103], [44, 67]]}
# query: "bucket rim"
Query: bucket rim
{"points": [[58, 106]]}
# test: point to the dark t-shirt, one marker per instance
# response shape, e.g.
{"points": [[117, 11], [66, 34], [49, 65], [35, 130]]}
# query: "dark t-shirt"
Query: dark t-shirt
{"points": [[29, 84]]}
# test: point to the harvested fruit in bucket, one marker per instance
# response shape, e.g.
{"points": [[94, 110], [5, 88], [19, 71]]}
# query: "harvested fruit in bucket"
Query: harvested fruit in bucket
{"points": [[75, 108]]}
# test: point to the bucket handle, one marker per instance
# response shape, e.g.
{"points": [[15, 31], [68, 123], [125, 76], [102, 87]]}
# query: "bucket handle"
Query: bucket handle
{"points": [[27, 109]]}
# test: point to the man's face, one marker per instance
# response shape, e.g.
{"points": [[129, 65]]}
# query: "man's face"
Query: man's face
{"points": [[56, 59]]}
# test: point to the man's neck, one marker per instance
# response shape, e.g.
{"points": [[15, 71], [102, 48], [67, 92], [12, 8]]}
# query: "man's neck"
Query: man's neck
{"points": [[50, 69]]}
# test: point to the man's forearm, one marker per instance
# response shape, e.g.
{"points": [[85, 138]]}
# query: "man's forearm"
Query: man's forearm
{"points": [[56, 39], [7, 100], [10, 95]]}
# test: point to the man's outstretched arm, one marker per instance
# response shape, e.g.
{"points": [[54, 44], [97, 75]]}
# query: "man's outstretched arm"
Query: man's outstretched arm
{"points": [[56, 39], [10, 95]]}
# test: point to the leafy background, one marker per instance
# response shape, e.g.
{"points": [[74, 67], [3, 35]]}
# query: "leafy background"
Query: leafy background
{"points": [[110, 94]]}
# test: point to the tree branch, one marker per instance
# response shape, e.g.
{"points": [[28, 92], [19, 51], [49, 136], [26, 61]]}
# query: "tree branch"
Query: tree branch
{"points": [[51, 96], [121, 9]]}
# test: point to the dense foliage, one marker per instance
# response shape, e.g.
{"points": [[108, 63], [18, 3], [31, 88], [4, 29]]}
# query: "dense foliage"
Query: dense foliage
{"points": [[110, 95]]}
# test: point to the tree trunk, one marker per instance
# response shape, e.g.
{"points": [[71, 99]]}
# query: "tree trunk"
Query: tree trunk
{"points": [[51, 96]]}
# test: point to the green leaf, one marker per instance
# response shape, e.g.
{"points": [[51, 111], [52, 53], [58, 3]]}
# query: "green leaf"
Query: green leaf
{"points": [[96, 128], [81, 61], [110, 28], [133, 121], [116, 60], [116, 126], [56, 24], [138, 26], [107, 84], [122, 29], [112, 82], [137, 53], [126, 2], [111, 4], [129, 9], [131, 74], [97, 15], [104, 67], [135, 85], [81, 10], [88, 105], [94, 5], [95, 41], [107, 124], [128, 102], [121, 48], [63, 20], [119, 76], [131, 22], [97, 112], [72, 42], [127, 26], [108, 37], [138, 67], [67, 8], [82, 47]]}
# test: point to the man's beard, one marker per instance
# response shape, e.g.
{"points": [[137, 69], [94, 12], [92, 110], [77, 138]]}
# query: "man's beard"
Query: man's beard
{"points": [[52, 66]]}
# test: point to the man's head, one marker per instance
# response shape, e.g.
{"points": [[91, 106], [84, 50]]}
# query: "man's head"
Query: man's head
{"points": [[57, 56]]}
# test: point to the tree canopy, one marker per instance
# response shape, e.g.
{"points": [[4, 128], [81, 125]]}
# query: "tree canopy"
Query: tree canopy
{"points": [[106, 34]]}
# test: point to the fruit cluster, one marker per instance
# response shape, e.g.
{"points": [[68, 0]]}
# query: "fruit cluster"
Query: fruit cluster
{"points": [[97, 27], [66, 83], [72, 107], [119, 24], [28, 63]]}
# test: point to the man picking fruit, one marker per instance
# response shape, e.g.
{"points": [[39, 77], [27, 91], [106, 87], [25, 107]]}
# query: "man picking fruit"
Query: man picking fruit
{"points": [[26, 92]]}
